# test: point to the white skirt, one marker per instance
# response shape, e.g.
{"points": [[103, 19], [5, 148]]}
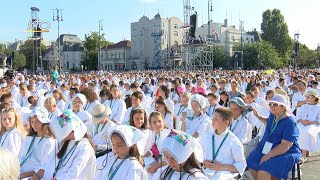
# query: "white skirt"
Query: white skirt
{"points": [[309, 138]]}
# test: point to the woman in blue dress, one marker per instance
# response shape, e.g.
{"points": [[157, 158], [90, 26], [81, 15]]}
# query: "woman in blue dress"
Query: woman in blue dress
{"points": [[278, 151]]}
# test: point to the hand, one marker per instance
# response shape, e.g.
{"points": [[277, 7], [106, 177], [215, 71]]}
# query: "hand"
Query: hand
{"points": [[152, 169], [304, 122], [265, 158], [147, 154], [183, 116], [213, 166], [254, 111]]}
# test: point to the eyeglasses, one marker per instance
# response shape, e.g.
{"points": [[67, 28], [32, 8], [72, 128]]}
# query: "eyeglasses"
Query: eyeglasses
{"points": [[273, 104], [311, 96], [75, 102]]}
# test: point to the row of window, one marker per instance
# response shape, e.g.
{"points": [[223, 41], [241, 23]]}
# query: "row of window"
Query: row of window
{"points": [[116, 67], [119, 55]]}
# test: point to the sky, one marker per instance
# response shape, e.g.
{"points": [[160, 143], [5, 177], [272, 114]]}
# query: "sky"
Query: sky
{"points": [[82, 16]]}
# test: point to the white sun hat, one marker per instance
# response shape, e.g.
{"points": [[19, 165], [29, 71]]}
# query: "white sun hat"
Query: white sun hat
{"points": [[41, 113]]}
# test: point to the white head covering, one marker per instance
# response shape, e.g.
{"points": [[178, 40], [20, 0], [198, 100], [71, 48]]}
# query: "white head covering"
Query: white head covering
{"points": [[181, 145], [42, 114], [199, 99], [66, 123], [280, 99], [82, 97], [131, 136]]}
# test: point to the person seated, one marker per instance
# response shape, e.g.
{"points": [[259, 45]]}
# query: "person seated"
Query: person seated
{"points": [[223, 152], [278, 151]]}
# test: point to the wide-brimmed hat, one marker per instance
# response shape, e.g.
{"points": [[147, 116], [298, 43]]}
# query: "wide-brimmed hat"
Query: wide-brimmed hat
{"points": [[42, 114], [239, 101], [181, 145], [100, 112], [279, 99], [313, 92], [131, 136], [66, 123]]}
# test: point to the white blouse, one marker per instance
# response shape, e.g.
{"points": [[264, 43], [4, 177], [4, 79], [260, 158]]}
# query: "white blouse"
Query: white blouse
{"points": [[85, 116], [178, 110], [128, 169], [61, 105], [197, 174], [12, 140], [242, 129], [231, 152], [118, 108], [309, 112], [79, 162], [32, 158], [90, 105], [53, 115], [100, 135], [197, 124]]}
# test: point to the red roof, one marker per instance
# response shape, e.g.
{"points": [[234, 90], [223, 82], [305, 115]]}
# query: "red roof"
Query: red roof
{"points": [[121, 44]]}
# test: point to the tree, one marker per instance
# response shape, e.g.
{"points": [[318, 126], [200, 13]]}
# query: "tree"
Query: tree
{"points": [[145, 63], [307, 57], [260, 55], [275, 30], [2, 48], [19, 60], [91, 44]]}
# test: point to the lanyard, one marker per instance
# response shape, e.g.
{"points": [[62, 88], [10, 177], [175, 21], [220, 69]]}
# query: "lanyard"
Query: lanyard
{"points": [[214, 155], [5, 137], [210, 113], [192, 118], [97, 129], [111, 176], [181, 109], [171, 173], [59, 166], [230, 127], [275, 123], [87, 106], [156, 138], [29, 154], [51, 114]]}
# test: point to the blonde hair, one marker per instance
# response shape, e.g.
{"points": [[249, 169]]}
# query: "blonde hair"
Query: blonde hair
{"points": [[57, 91], [9, 165], [17, 123], [49, 101]]}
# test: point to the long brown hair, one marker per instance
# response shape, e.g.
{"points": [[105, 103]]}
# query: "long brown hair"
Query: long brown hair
{"points": [[191, 163], [47, 131], [57, 91], [139, 111], [18, 124], [161, 101], [133, 152]]}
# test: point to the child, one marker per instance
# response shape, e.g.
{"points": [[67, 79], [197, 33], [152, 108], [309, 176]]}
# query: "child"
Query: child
{"points": [[196, 124], [127, 162], [223, 152], [51, 105], [22, 98], [75, 159], [162, 107], [77, 105], [38, 144], [152, 158], [61, 101], [12, 131], [213, 104], [183, 153], [181, 107]]}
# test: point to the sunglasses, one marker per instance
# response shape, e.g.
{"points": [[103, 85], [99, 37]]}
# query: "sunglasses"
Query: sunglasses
{"points": [[273, 104]]}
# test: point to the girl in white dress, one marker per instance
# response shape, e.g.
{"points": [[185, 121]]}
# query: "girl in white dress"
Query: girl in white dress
{"points": [[77, 107], [12, 131], [60, 99], [38, 144], [162, 107], [51, 105], [223, 152], [183, 153], [92, 99], [180, 108], [308, 116], [153, 157], [126, 164], [75, 159], [116, 104], [213, 100], [195, 123]]}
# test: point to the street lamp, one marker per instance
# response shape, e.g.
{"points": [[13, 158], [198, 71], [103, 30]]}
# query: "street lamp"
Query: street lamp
{"points": [[58, 17]]}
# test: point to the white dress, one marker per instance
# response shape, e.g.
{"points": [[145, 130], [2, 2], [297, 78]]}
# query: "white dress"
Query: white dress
{"points": [[178, 110], [129, 169], [197, 124], [79, 164], [53, 115], [197, 174], [231, 152], [298, 96], [85, 116], [169, 120], [100, 135], [210, 110], [118, 108], [61, 105], [242, 129], [23, 100], [308, 135], [37, 155], [12, 140]]}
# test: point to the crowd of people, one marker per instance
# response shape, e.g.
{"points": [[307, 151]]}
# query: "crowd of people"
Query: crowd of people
{"points": [[158, 124]]}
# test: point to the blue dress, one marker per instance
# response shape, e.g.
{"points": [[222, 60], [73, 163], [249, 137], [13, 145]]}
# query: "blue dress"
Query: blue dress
{"points": [[281, 165]]}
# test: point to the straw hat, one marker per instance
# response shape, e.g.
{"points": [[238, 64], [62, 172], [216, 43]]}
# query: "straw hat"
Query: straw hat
{"points": [[313, 92], [100, 112]]}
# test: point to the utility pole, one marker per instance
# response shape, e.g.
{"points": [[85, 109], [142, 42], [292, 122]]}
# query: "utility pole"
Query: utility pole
{"points": [[99, 52], [296, 50], [58, 17], [241, 29]]}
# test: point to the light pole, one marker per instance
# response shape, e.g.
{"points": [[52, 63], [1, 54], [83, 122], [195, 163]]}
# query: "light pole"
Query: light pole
{"points": [[99, 52], [58, 17], [241, 28], [296, 50]]}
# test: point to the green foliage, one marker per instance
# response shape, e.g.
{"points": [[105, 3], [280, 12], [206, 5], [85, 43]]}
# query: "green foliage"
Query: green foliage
{"points": [[91, 44], [307, 57], [27, 50], [260, 55], [145, 63], [214, 55], [275, 31], [2, 48]]}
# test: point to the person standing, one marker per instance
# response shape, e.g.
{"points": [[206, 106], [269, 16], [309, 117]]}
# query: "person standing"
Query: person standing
{"points": [[55, 74]]}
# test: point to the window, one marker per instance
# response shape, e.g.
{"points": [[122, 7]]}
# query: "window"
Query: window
{"points": [[162, 24], [175, 33], [119, 55], [175, 26], [232, 37], [162, 41]]}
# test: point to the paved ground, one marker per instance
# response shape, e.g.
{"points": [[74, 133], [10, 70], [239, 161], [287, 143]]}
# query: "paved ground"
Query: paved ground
{"points": [[311, 168]]}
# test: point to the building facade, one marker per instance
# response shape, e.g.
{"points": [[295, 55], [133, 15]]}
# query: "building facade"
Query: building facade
{"points": [[153, 40], [116, 57]]}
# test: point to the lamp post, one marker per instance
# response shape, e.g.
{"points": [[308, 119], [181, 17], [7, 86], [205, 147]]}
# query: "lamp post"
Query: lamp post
{"points": [[99, 52], [58, 17]]}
